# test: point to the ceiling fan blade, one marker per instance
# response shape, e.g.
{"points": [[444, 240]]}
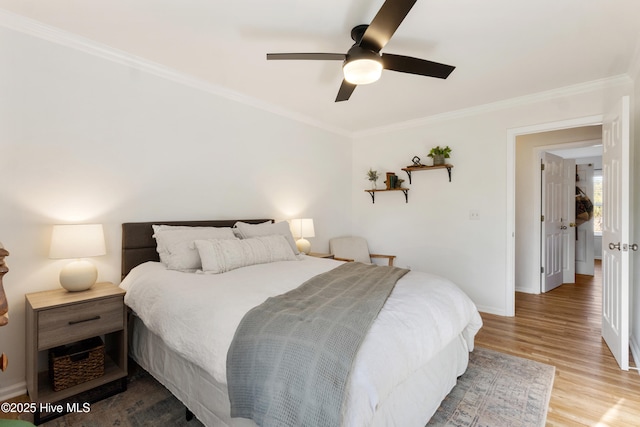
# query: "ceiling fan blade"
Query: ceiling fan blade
{"points": [[385, 23], [312, 56], [408, 64], [346, 89]]}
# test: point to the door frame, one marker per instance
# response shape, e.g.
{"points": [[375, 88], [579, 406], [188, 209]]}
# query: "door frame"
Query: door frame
{"points": [[512, 134]]}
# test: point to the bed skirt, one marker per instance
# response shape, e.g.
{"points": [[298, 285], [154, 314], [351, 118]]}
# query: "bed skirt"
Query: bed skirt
{"points": [[410, 404]]}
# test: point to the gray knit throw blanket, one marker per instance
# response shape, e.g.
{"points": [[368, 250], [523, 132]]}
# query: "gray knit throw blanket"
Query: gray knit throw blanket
{"points": [[290, 358]]}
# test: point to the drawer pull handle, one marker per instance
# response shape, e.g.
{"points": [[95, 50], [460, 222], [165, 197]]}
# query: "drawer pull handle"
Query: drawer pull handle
{"points": [[74, 322]]}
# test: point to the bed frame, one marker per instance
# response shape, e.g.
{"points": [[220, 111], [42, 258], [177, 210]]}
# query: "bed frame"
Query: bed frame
{"points": [[139, 246]]}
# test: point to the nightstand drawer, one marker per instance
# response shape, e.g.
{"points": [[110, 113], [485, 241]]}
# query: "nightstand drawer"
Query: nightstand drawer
{"points": [[65, 324]]}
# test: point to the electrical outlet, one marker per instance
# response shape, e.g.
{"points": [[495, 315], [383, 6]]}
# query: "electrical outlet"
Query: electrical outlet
{"points": [[474, 214]]}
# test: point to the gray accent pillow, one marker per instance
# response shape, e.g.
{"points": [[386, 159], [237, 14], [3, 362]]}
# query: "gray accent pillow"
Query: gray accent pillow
{"points": [[247, 231]]}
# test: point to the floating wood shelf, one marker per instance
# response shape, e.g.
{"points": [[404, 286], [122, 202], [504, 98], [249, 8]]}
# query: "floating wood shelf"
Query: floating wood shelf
{"points": [[410, 169], [404, 190]]}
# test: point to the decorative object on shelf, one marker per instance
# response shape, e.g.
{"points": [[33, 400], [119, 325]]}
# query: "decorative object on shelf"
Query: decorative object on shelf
{"points": [[4, 304], [301, 228], [77, 241], [373, 177], [391, 180], [416, 161], [438, 154]]}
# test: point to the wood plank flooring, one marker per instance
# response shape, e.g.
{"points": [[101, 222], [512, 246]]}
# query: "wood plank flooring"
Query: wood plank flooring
{"points": [[562, 328]]}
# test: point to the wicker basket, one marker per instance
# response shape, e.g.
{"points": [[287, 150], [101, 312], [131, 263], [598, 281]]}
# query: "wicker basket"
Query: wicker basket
{"points": [[77, 363]]}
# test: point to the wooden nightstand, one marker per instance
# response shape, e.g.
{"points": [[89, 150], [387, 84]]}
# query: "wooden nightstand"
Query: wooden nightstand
{"points": [[60, 317], [320, 255]]}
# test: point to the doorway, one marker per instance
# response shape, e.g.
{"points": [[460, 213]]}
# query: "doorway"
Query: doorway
{"points": [[616, 262], [526, 145]]}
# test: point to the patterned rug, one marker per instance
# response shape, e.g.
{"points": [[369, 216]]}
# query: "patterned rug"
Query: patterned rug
{"points": [[145, 403], [497, 390]]}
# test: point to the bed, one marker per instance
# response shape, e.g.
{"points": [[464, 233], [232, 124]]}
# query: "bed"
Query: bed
{"points": [[407, 363]]}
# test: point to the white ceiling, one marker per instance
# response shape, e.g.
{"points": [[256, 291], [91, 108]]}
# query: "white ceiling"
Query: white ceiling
{"points": [[579, 153], [502, 48]]}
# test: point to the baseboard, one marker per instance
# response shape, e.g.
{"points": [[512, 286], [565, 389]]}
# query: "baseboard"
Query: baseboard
{"points": [[491, 310], [528, 290], [14, 390]]}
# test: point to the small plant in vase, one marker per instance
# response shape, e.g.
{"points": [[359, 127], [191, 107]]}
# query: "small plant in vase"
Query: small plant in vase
{"points": [[372, 176], [438, 154]]}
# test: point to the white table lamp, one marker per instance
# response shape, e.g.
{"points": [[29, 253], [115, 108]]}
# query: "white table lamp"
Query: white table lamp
{"points": [[302, 228], [77, 241]]}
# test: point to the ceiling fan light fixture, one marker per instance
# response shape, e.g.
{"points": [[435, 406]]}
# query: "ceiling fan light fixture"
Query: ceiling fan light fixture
{"points": [[362, 66], [362, 71]]}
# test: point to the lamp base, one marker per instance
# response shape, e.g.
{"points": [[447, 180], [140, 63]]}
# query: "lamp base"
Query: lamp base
{"points": [[303, 246], [78, 275]]}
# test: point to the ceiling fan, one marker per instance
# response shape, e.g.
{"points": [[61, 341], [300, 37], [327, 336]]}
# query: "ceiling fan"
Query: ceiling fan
{"points": [[363, 63]]}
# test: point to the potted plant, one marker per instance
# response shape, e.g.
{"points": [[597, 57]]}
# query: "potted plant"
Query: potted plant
{"points": [[438, 154], [373, 177]]}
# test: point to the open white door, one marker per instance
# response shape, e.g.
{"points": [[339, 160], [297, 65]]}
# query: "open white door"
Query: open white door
{"points": [[584, 241], [568, 225], [616, 231], [551, 246]]}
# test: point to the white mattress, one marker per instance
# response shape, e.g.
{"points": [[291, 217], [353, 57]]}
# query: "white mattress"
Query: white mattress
{"points": [[197, 315]]}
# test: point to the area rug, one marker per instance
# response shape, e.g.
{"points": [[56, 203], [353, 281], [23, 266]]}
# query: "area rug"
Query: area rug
{"points": [[145, 403], [496, 390]]}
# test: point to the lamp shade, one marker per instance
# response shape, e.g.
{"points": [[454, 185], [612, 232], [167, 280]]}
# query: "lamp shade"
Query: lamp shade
{"points": [[77, 241], [302, 227]]}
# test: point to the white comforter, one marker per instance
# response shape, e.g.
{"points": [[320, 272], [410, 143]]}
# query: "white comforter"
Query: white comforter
{"points": [[197, 315]]}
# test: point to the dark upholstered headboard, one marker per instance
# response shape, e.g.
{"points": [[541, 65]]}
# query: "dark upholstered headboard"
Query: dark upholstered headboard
{"points": [[139, 246]]}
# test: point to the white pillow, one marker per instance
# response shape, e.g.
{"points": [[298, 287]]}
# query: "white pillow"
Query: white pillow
{"points": [[247, 231], [219, 256], [175, 244]]}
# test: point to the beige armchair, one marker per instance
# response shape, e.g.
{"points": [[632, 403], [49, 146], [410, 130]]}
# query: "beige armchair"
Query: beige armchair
{"points": [[353, 248]]}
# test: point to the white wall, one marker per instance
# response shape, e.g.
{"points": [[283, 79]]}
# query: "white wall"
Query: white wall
{"points": [[87, 140], [433, 232]]}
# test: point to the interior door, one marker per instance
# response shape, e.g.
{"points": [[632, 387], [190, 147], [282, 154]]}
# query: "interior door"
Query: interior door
{"points": [[616, 231], [551, 177], [584, 240], [567, 218]]}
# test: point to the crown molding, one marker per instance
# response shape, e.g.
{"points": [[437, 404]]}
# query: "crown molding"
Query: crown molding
{"points": [[594, 85], [51, 34], [39, 30]]}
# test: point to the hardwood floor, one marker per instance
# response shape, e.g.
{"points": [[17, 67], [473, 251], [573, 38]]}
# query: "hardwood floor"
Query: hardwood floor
{"points": [[562, 328]]}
